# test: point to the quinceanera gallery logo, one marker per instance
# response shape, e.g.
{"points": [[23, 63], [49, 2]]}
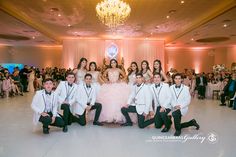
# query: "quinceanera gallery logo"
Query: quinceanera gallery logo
{"points": [[211, 138]]}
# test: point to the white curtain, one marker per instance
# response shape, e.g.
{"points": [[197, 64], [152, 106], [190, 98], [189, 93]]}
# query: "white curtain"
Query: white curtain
{"points": [[95, 50]]}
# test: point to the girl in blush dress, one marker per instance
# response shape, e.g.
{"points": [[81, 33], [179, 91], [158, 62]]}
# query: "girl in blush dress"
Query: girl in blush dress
{"points": [[96, 76], [31, 78], [113, 94], [158, 68], [6, 85], [81, 70], [133, 70], [146, 71]]}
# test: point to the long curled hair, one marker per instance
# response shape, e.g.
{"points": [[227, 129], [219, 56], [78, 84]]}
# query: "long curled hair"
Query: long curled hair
{"points": [[80, 62], [160, 67], [93, 63], [111, 62], [148, 68], [131, 71]]}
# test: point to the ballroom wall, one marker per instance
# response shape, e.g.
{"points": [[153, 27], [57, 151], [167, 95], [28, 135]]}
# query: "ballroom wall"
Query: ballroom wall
{"points": [[231, 56], [200, 59], [94, 50], [31, 55]]}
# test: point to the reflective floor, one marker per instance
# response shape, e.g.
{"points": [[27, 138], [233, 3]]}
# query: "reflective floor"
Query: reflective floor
{"points": [[19, 138]]}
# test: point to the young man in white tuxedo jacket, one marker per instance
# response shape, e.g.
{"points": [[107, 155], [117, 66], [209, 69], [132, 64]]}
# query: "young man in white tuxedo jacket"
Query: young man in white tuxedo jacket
{"points": [[162, 102], [139, 102], [67, 91], [180, 100], [85, 102], [45, 106]]}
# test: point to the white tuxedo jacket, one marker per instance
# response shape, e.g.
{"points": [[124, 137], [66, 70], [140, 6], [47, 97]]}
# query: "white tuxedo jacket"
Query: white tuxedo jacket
{"points": [[140, 97], [64, 92], [181, 97], [86, 95], [161, 95], [38, 104]]}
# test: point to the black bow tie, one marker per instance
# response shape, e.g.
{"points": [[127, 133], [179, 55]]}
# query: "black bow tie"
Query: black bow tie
{"points": [[70, 85], [88, 86], [157, 85], [138, 85], [177, 86], [48, 93]]}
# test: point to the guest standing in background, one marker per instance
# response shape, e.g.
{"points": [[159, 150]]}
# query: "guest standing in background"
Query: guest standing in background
{"points": [[31, 79], [201, 83], [24, 77]]}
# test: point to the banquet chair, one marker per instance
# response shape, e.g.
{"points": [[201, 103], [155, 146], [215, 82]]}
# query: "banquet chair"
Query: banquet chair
{"points": [[215, 93]]}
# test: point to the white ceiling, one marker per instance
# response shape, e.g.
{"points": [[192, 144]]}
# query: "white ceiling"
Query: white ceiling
{"points": [[197, 19]]}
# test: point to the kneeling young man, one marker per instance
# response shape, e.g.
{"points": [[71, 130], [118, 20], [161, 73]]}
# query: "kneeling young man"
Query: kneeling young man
{"points": [[85, 102], [162, 101], [66, 92], [180, 100], [45, 106], [139, 102]]}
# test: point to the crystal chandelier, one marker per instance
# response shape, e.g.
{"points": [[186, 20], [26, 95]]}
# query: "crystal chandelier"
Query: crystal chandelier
{"points": [[113, 13]]}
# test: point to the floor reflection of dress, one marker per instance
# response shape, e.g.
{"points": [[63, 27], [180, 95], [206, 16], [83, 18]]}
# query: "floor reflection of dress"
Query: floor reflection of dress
{"points": [[113, 96]]}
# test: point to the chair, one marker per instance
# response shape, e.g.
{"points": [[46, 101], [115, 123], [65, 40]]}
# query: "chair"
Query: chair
{"points": [[215, 93]]}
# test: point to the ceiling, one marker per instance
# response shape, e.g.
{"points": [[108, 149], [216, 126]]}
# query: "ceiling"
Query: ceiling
{"points": [[48, 22]]}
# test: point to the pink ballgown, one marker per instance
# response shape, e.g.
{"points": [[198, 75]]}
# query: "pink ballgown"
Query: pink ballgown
{"points": [[113, 96]]}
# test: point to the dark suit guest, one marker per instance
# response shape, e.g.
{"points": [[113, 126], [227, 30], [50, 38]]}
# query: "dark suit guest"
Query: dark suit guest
{"points": [[201, 83]]}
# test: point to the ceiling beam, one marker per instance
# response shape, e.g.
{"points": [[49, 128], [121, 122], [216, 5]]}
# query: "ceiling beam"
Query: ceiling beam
{"points": [[217, 11], [14, 12]]}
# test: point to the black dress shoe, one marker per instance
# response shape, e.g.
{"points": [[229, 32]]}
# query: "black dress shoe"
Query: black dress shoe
{"points": [[65, 129], [127, 124], [98, 123], [177, 133], [195, 124], [46, 130], [222, 104], [165, 129]]}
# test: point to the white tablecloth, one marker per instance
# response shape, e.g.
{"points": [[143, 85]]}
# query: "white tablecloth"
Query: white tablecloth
{"points": [[210, 87]]}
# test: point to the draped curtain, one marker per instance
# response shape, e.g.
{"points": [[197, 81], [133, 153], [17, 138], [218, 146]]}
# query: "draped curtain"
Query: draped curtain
{"points": [[95, 50]]}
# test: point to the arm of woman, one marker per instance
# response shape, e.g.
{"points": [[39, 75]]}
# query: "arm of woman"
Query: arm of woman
{"points": [[165, 77], [123, 75], [100, 79], [104, 76], [150, 75]]}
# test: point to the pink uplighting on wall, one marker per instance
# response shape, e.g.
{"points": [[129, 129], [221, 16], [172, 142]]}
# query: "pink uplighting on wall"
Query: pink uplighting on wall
{"points": [[95, 50]]}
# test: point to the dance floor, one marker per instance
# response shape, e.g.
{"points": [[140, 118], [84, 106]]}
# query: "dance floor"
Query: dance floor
{"points": [[18, 136]]}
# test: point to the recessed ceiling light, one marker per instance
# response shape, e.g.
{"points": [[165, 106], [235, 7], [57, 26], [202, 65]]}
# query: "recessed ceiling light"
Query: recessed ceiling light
{"points": [[225, 25], [69, 25], [33, 37], [151, 33], [192, 39], [59, 15], [172, 11], [182, 2], [167, 16]]}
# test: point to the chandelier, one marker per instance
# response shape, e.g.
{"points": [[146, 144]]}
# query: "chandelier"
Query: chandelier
{"points": [[113, 13]]}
